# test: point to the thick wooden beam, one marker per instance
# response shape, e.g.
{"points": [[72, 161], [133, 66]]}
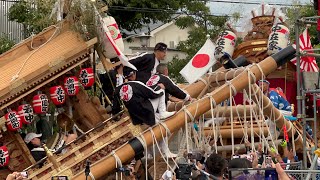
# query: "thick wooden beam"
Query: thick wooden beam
{"points": [[135, 146]]}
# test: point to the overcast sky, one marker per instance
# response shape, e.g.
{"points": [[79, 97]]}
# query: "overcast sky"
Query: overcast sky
{"points": [[229, 8]]}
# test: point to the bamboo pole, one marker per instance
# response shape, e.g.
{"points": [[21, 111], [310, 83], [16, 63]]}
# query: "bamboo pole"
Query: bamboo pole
{"points": [[214, 79], [198, 88], [238, 132], [225, 111], [242, 146], [134, 147]]}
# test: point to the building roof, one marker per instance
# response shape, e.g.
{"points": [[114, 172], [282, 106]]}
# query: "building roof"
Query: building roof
{"points": [[39, 60]]}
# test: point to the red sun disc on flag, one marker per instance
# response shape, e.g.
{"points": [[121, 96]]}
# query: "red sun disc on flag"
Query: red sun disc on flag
{"points": [[200, 60]]}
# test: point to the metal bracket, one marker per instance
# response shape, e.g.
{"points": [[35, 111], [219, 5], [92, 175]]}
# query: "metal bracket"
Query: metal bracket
{"points": [[301, 97], [300, 116]]}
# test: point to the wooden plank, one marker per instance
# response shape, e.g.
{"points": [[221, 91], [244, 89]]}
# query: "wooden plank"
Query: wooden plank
{"points": [[31, 90], [35, 64], [96, 150], [24, 148]]}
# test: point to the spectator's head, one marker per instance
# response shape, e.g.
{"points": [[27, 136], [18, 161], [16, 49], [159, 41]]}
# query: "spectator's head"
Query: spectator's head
{"points": [[33, 139], [163, 69], [160, 51], [129, 73], [240, 163], [264, 85], [216, 165]]}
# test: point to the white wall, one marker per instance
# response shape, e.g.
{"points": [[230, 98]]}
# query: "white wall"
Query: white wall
{"points": [[164, 34], [168, 34]]}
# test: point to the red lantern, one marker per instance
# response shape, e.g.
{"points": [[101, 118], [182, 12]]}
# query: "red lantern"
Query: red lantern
{"points": [[71, 85], [25, 112], [40, 104], [13, 120], [86, 77], [4, 156], [57, 95]]}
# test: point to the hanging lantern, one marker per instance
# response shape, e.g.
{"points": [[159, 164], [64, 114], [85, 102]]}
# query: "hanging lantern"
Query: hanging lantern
{"points": [[57, 95], [225, 44], [278, 39], [40, 104], [25, 113], [13, 120], [86, 77], [4, 156], [71, 85], [109, 36]]}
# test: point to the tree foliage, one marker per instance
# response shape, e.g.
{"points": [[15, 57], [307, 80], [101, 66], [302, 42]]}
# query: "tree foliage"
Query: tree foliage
{"points": [[5, 43], [33, 14], [134, 14], [201, 23], [295, 12]]}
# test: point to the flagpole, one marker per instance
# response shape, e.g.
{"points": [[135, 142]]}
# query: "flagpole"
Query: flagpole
{"points": [[300, 97]]}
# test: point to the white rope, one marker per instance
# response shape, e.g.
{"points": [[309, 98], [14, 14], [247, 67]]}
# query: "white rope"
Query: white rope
{"points": [[144, 144], [245, 115], [231, 113], [165, 127], [263, 117], [251, 118], [167, 147], [118, 163], [217, 82], [213, 126], [186, 130], [204, 81], [16, 76], [155, 140]]}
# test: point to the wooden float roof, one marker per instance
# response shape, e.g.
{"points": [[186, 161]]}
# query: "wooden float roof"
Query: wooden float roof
{"points": [[41, 58]]}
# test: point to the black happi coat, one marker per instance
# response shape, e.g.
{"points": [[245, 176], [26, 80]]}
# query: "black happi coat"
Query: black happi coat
{"points": [[135, 96], [170, 86], [144, 65], [107, 82]]}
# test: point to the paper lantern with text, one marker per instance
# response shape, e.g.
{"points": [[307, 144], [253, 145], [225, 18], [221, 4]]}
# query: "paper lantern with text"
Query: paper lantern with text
{"points": [[57, 95], [4, 156], [225, 44], [25, 113], [40, 104], [86, 77], [71, 85], [278, 39], [13, 120]]}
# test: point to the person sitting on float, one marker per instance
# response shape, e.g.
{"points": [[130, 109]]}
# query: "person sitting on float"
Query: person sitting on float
{"points": [[277, 97], [145, 105], [34, 143]]}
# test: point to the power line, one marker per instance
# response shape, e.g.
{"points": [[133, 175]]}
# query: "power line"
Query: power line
{"points": [[256, 3], [152, 10]]}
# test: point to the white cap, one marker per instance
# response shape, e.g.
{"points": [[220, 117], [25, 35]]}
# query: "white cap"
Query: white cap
{"points": [[30, 136], [167, 175]]}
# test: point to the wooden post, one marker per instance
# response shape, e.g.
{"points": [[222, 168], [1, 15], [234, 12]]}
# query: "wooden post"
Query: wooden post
{"points": [[128, 151]]}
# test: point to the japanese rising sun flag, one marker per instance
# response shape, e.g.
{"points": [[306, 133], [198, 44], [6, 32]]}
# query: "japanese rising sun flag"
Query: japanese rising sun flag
{"points": [[200, 63], [307, 63]]}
